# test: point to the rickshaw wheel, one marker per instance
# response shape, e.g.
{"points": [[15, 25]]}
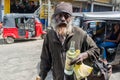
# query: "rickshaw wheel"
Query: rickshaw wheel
{"points": [[9, 40]]}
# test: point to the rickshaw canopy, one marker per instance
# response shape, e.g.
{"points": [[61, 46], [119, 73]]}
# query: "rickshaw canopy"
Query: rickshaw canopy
{"points": [[9, 19], [102, 15]]}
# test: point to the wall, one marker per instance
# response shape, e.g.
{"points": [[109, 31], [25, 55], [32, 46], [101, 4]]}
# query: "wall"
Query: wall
{"points": [[103, 1]]}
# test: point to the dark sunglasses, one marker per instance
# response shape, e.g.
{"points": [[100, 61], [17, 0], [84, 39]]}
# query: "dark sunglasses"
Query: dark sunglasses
{"points": [[65, 15]]}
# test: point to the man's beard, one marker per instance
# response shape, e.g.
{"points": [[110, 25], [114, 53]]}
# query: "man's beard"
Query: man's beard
{"points": [[62, 28]]}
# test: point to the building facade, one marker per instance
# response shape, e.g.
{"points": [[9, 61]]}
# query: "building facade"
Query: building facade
{"points": [[6, 6], [90, 5], [78, 6]]}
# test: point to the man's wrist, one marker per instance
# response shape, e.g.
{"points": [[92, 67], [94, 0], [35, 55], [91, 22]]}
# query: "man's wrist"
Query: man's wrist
{"points": [[85, 55]]}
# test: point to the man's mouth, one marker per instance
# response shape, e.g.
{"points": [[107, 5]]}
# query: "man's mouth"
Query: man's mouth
{"points": [[62, 24]]}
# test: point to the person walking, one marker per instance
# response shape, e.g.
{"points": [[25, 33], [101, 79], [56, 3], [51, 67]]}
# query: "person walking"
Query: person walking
{"points": [[57, 43]]}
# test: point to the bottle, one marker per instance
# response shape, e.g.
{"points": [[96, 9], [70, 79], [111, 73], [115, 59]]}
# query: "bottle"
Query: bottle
{"points": [[70, 55]]}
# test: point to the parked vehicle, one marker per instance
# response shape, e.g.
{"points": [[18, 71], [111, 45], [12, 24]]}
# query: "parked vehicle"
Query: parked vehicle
{"points": [[97, 25], [21, 26]]}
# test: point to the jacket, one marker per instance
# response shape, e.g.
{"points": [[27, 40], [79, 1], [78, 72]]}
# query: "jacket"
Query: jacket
{"points": [[54, 53]]}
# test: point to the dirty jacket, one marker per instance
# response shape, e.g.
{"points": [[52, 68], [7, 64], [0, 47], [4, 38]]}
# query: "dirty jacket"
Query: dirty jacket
{"points": [[54, 53]]}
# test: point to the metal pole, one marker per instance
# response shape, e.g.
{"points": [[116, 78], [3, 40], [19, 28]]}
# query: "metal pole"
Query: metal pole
{"points": [[46, 16], [2, 8], [49, 12], [0, 11], [113, 8], [40, 1], [92, 6], [114, 5]]}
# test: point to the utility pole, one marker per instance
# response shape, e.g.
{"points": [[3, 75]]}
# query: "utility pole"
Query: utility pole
{"points": [[92, 5], [2, 9], [49, 12], [40, 1]]}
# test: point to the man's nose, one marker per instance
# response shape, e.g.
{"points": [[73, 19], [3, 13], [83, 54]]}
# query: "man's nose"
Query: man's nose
{"points": [[62, 18]]}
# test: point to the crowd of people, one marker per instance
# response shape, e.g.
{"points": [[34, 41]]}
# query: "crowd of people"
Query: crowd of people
{"points": [[23, 7]]}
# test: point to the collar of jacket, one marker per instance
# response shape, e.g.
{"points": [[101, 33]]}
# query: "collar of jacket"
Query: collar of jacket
{"points": [[56, 39]]}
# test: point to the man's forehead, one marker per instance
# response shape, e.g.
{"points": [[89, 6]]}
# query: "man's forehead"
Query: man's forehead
{"points": [[63, 13], [63, 7]]}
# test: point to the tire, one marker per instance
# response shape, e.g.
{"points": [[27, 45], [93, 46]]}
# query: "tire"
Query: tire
{"points": [[9, 40]]}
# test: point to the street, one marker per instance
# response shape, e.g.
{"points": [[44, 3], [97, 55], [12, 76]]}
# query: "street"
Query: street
{"points": [[20, 61]]}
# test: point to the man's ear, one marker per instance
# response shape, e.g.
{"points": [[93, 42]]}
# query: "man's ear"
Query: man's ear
{"points": [[72, 18]]}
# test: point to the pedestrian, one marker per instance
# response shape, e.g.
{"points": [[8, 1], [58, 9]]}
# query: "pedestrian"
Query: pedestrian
{"points": [[58, 40]]}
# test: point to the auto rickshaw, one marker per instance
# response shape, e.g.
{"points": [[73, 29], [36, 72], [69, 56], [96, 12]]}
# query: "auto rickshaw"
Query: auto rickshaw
{"points": [[21, 26], [99, 24]]}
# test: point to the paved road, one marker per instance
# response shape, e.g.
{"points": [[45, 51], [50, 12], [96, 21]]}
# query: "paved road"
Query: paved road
{"points": [[20, 61]]}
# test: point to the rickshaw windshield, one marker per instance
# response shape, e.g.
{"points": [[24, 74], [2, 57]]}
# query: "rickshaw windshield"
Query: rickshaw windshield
{"points": [[25, 22], [11, 20], [8, 22]]}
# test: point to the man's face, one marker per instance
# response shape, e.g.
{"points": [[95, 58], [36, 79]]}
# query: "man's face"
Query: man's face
{"points": [[62, 23], [62, 19]]}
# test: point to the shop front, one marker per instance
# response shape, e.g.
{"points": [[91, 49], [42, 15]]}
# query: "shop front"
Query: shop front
{"points": [[23, 6], [102, 5], [99, 8]]}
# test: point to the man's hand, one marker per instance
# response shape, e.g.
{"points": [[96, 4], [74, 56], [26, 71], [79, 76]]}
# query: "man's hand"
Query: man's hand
{"points": [[79, 59], [38, 78]]}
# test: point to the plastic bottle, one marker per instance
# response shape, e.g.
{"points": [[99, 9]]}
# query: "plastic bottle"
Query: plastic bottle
{"points": [[70, 55]]}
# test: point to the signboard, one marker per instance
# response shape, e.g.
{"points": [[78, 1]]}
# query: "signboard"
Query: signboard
{"points": [[6, 6], [43, 12], [103, 1]]}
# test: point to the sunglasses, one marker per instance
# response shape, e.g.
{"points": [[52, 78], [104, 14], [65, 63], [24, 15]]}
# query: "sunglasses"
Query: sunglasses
{"points": [[65, 15]]}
